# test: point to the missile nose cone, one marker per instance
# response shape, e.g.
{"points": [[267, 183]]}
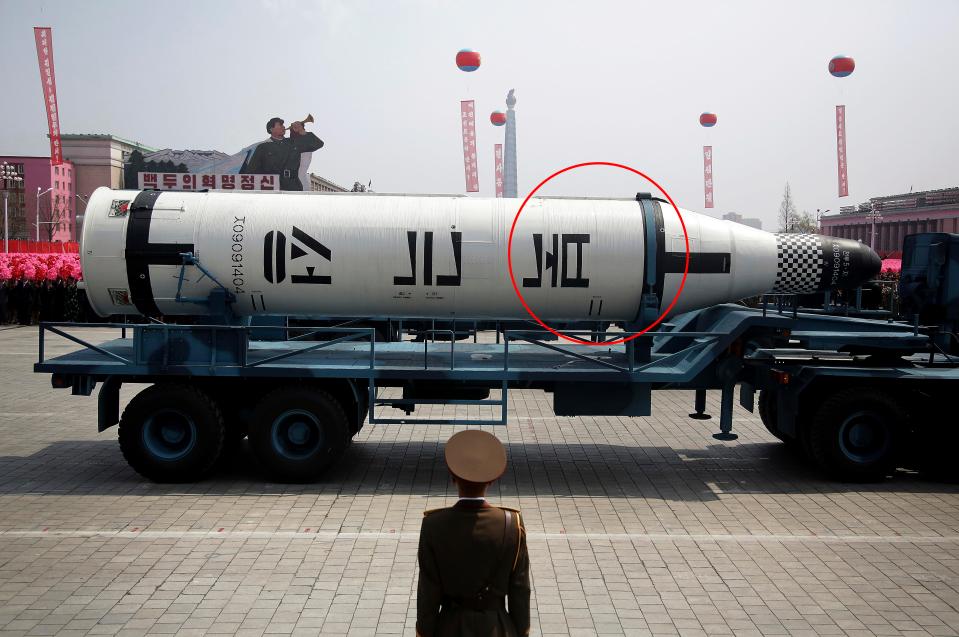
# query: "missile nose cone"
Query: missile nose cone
{"points": [[814, 263], [849, 263]]}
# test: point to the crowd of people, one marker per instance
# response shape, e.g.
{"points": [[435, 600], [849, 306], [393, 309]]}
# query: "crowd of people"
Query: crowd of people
{"points": [[27, 302]]}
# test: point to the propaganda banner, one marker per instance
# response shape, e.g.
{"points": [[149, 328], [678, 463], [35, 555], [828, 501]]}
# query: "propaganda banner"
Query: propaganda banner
{"points": [[841, 150], [498, 168], [708, 174], [48, 78], [468, 121], [207, 181]]}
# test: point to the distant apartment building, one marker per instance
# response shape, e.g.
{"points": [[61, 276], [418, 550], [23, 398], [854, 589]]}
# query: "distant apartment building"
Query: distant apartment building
{"points": [[46, 195], [738, 218], [883, 222]]}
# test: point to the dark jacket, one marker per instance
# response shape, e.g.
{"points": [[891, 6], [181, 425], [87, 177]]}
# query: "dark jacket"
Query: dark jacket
{"points": [[282, 157], [472, 560]]}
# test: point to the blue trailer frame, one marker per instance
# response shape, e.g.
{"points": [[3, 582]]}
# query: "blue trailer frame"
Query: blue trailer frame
{"points": [[694, 351]]}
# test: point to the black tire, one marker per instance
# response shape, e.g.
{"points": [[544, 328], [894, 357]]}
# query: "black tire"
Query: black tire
{"points": [[171, 433], [856, 432], [937, 439], [297, 433]]}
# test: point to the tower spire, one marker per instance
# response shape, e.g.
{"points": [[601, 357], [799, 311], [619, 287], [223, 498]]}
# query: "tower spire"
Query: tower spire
{"points": [[509, 159]]}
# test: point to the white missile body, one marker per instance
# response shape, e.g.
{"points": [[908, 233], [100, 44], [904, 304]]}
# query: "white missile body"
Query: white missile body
{"points": [[321, 254]]}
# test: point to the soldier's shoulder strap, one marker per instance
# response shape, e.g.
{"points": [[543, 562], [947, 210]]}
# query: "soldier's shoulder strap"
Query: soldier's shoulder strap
{"points": [[430, 512], [520, 532], [516, 513]]}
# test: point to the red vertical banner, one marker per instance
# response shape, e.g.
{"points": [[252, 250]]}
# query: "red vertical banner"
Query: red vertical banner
{"points": [[468, 120], [498, 168], [44, 38], [841, 150], [708, 174]]}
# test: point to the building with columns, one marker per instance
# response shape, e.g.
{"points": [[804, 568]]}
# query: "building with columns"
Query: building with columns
{"points": [[893, 217]]}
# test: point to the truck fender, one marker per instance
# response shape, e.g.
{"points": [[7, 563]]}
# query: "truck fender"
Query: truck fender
{"points": [[108, 403]]}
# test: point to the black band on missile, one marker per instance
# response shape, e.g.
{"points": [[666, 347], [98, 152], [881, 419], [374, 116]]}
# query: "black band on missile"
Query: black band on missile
{"points": [[141, 254], [699, 262]]}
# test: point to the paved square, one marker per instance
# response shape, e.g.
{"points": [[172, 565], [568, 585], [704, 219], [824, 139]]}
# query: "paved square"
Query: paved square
{"points": [[637, 526]]}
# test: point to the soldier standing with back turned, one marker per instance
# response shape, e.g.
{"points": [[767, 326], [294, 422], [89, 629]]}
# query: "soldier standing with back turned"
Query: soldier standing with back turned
{"points": [[473, 555]]}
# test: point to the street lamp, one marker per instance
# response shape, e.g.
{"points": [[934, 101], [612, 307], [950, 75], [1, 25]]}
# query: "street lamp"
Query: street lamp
{"points": [[78, 224], [874, 216], [40, 194], [819, 214], [8, 173]]}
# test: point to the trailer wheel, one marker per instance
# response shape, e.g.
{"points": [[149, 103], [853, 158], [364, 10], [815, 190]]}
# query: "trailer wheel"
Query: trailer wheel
{"points": [[855, 434], [171, 433], [298, 432]]}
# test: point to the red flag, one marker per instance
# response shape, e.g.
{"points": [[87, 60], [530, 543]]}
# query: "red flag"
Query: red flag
{"points": [[498, 168], [708, 174], [468, 122], [44, 38], [841, 150]]}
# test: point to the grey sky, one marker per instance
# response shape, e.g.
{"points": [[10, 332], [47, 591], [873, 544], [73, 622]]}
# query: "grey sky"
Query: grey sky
{"points": [[595, 81]]}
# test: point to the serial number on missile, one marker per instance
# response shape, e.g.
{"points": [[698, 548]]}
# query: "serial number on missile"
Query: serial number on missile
{"points": [[236, 254]]}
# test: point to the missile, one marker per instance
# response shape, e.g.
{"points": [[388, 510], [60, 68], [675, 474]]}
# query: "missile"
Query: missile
{"points": [[347, 255]]}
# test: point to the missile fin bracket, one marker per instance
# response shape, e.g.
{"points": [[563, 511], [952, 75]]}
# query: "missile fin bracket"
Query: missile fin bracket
{"points": [[220, 297]]}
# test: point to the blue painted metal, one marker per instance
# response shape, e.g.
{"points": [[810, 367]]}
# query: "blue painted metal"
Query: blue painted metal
{"points": [[694, 351]]}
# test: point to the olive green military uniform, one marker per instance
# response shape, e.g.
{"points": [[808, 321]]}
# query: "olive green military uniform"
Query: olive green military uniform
{"points": [[282, 157], [473, 561]]}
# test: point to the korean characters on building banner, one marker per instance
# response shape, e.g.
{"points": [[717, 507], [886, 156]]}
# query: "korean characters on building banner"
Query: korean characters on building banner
{"points": [[207, 181], [48, 78], [498, 168], [468, 121], [708, 174], [841, 150]]}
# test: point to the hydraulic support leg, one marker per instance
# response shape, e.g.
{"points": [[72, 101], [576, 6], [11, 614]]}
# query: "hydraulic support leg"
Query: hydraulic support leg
{"points": [[700, 413]]}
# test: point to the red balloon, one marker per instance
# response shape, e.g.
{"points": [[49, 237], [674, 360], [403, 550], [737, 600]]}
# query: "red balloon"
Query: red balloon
{"points": [[498, 118], [842, 66], [468, 60], [708, 120]]}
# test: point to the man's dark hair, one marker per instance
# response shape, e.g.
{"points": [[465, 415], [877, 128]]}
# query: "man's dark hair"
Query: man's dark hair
{"points": [[272, 122]]}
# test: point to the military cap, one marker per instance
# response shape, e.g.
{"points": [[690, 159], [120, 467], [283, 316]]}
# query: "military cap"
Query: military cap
{"points": [[475, 456]]}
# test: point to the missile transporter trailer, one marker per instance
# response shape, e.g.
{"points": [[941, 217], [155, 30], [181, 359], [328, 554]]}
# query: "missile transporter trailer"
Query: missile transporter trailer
{"points": [[854, 395]]}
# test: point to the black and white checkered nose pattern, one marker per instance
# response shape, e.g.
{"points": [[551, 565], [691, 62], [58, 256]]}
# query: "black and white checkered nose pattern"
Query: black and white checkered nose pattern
{"points": [[799, 263]]}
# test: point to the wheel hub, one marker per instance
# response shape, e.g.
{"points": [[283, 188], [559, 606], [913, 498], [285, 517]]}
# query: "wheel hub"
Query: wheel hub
{"points": [[864, 437], [169, 434], [297, 434]]}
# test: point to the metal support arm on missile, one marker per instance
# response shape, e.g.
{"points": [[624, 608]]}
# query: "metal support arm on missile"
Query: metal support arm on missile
{"points": [[220, 298]]}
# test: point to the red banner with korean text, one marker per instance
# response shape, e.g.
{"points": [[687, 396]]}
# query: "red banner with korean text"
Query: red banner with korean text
{"points": [[498, 168], [44, 38], [708, 174], [841, 150], [468, 121]]}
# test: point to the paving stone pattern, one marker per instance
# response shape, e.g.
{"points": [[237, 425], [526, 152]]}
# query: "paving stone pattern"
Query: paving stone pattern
{"points": [[637, 526]]}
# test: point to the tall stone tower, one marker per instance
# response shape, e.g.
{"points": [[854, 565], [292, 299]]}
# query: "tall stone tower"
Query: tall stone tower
{"points": [[509, 159]]}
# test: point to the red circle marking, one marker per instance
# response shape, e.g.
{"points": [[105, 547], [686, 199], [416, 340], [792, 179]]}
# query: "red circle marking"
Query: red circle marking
{"points": [[509, 254]]}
